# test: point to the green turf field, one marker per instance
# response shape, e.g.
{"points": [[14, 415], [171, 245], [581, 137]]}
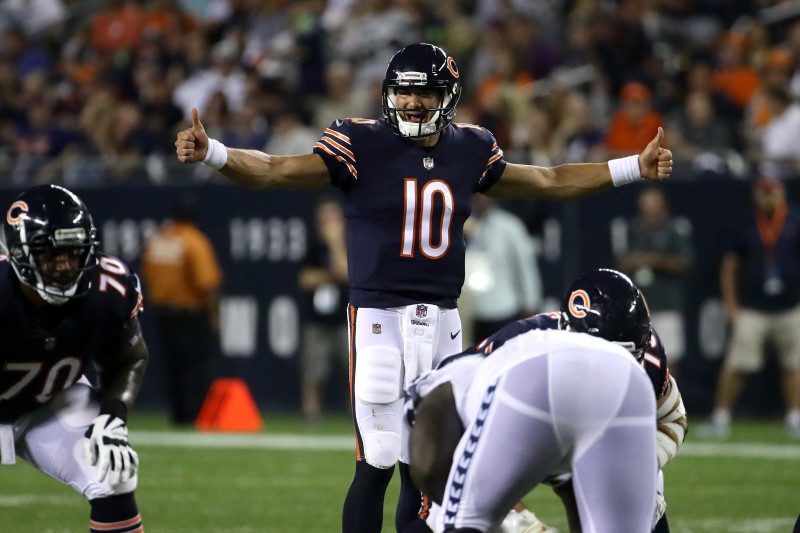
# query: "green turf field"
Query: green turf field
{"points": [[222, 483]]}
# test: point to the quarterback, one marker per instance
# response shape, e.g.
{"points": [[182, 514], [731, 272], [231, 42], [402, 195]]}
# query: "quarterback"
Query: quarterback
{"points": [[408, 179]]}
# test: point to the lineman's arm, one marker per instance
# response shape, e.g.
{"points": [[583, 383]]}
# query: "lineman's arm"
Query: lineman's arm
{"points": [[253, 168], [672, 423], [571, 181], [106, 439], [120, 375], [432, 441]]}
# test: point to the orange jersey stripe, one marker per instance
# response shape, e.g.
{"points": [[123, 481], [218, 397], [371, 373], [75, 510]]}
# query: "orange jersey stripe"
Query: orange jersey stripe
{"points": [[352, 313], [495, 157], [342, 136], [115, 525], [339, 147], [350, 167]]}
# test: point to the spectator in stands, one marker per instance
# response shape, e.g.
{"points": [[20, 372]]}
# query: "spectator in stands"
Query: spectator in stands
{"points": [[733, 75], [182, 279], [760, 287], [117, 27], [658, 257], [627, 133], [775, 74], [780, 142], [291, 135], [340, 99], [576, 137], [224, 75], [701, 142]]}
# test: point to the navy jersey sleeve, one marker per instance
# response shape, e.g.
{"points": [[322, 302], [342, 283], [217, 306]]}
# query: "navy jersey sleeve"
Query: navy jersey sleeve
{"points": [[119, 290], [655, 364], [336, 150], [119, 297], [495, 164]]}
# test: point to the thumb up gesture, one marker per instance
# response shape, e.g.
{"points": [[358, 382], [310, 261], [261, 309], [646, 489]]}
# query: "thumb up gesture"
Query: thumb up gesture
{"points": [[192, 143], [655, 162]]}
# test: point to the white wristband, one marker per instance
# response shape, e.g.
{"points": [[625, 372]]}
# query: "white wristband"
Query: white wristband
{"points": [[216, 155], [624, 170]]}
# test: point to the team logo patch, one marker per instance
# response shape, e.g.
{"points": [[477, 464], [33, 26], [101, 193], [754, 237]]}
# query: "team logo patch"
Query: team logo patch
{"points": [[422, 311], [16, 212], [427, 162], [579, 303], [376, 329]]}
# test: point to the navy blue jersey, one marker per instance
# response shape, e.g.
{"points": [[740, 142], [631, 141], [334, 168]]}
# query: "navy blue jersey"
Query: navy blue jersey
{"points": [[654, 361], [45, 353], [758, 266], [406, 207]]}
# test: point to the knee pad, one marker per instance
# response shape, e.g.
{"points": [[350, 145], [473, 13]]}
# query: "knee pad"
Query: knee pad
{"points": [[379, 375], [381, 437]]}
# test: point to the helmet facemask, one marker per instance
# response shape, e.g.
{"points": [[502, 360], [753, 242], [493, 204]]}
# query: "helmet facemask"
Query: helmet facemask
{"points": [[50, 239], [422, 67], [56, 267], [441, 116]]}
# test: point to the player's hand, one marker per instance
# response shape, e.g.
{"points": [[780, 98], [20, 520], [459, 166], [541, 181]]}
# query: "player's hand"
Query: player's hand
{"points": [[192, 144], [655, 162], [107, 447], [661, 507]]}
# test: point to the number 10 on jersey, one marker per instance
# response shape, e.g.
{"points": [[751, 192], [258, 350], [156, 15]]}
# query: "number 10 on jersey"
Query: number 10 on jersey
{"points": [[418, 218]]}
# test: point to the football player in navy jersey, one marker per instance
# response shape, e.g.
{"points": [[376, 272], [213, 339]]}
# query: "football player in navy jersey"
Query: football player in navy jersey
{"points": [[607, 304], [63, 306], [408, 179]]}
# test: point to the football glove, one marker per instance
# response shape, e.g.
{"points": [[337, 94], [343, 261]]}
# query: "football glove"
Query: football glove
{"points": [[661, 507], [107, 447]]}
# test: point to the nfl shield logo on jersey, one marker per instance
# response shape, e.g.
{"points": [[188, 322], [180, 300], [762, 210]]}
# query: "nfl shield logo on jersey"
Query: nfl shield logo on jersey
{"points": [[376, 328], [422, 311], [427, 162]]}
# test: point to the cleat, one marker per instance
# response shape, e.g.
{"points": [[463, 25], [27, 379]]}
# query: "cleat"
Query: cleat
{"points": [[524, 522]]}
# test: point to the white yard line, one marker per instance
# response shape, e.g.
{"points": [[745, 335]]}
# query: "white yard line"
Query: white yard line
{"points": [[289, 441], [283, 441]]}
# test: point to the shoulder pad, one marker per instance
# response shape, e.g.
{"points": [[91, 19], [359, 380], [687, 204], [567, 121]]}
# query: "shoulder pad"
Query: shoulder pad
{"points": [[118, 286]]}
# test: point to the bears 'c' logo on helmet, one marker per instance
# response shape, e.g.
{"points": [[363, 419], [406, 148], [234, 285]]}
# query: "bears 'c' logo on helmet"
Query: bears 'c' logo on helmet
{"points": [[578, 309], [451, 65], [21, 208]]}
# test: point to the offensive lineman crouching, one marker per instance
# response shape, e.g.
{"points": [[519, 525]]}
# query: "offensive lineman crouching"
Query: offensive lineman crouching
{"points": [[604, 303], [62, 305]]}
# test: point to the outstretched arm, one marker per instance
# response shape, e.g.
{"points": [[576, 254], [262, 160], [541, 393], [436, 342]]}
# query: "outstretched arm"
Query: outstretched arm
{"points": [[251, 168], [571, 181]]}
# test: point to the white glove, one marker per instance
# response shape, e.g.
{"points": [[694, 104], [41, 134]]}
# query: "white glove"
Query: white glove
{"points": [[661, 507], [107, 447]]}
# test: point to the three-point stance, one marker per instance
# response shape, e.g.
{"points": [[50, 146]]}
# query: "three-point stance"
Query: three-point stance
{"points": [[64, 305], [487, 430]]}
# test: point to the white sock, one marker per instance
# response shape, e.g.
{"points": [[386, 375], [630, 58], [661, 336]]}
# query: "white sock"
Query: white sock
{"points": [[793, 418], [721, 417]]}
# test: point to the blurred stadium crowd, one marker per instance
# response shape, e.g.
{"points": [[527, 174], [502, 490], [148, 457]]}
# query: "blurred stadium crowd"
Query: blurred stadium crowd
{"points": [[92, 92]]}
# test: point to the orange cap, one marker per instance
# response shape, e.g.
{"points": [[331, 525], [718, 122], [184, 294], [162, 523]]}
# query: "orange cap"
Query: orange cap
{"points": [[634, 90]]}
